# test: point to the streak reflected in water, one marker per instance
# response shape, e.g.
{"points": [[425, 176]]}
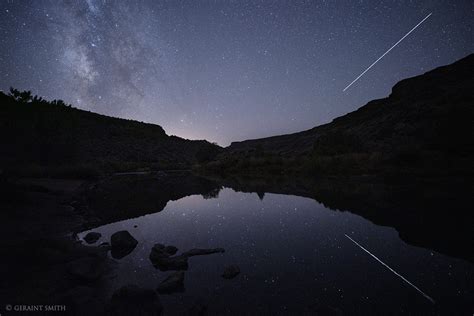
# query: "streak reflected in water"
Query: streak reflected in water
{"points": [[293, 256]]}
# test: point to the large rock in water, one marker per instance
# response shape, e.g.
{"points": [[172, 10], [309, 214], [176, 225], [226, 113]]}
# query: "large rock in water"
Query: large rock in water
{"points": [[202, 252], [92, 237], [122, 244], [171, 263], [162, 256], [171, 250], [132, 300], [172, 284], [160, 251]]}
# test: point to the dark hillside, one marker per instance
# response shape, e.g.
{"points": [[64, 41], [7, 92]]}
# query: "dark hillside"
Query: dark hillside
{"points": [[38, 133], [426, 124]]}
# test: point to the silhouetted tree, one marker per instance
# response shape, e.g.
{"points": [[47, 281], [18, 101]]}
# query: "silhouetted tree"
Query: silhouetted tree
{"points": [[37, 99], [23, 97], [14, 93]]}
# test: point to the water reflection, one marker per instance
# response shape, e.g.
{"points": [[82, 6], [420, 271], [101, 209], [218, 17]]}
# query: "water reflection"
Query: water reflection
{"points": [[291, 250]]}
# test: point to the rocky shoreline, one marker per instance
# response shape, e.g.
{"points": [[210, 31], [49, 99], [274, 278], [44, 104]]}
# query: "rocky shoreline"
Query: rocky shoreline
{"points": [[46, 264], [49, 265]]}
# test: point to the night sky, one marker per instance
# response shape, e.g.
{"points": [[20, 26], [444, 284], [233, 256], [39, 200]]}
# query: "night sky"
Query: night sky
{"points": [[225, 70]]}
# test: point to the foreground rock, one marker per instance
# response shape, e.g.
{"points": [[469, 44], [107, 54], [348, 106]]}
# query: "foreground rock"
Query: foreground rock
{"points": [[171, 250], [87, 269], [162, 257], [231, 272], [201, 252], [171, 263], [132, 300], [161, 251], [172, 284], [92, 237], [122, 244]]}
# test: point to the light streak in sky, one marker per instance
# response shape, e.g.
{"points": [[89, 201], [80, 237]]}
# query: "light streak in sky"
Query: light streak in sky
{"points": [[350, 84]]}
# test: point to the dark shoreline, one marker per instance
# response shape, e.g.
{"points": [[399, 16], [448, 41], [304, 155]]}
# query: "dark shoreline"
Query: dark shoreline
{"points": [[40, 252]]}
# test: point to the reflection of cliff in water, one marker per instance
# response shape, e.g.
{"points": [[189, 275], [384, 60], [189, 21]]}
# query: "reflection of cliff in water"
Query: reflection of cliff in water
{"points": [[434, 214], [121, 197], [430, 214]]}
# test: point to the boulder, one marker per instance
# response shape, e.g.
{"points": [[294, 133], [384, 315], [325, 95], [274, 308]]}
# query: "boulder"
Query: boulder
{"points": [[172, 284], [201, 252], [122, 244], [231, 272], [171, 263], [161, 251], [171, 250], [162, 256], [159, 246], [92, 237]]}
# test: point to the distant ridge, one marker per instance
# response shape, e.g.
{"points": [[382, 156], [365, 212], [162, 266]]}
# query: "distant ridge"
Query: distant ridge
{"points": [[426, 119]]}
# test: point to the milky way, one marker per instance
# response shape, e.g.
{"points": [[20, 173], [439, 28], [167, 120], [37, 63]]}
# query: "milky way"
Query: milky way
{"points": [[224, 70]]}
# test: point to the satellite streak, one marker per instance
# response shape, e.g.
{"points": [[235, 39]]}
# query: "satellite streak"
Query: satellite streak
{"points": [[387, 52], [395, 272]]}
